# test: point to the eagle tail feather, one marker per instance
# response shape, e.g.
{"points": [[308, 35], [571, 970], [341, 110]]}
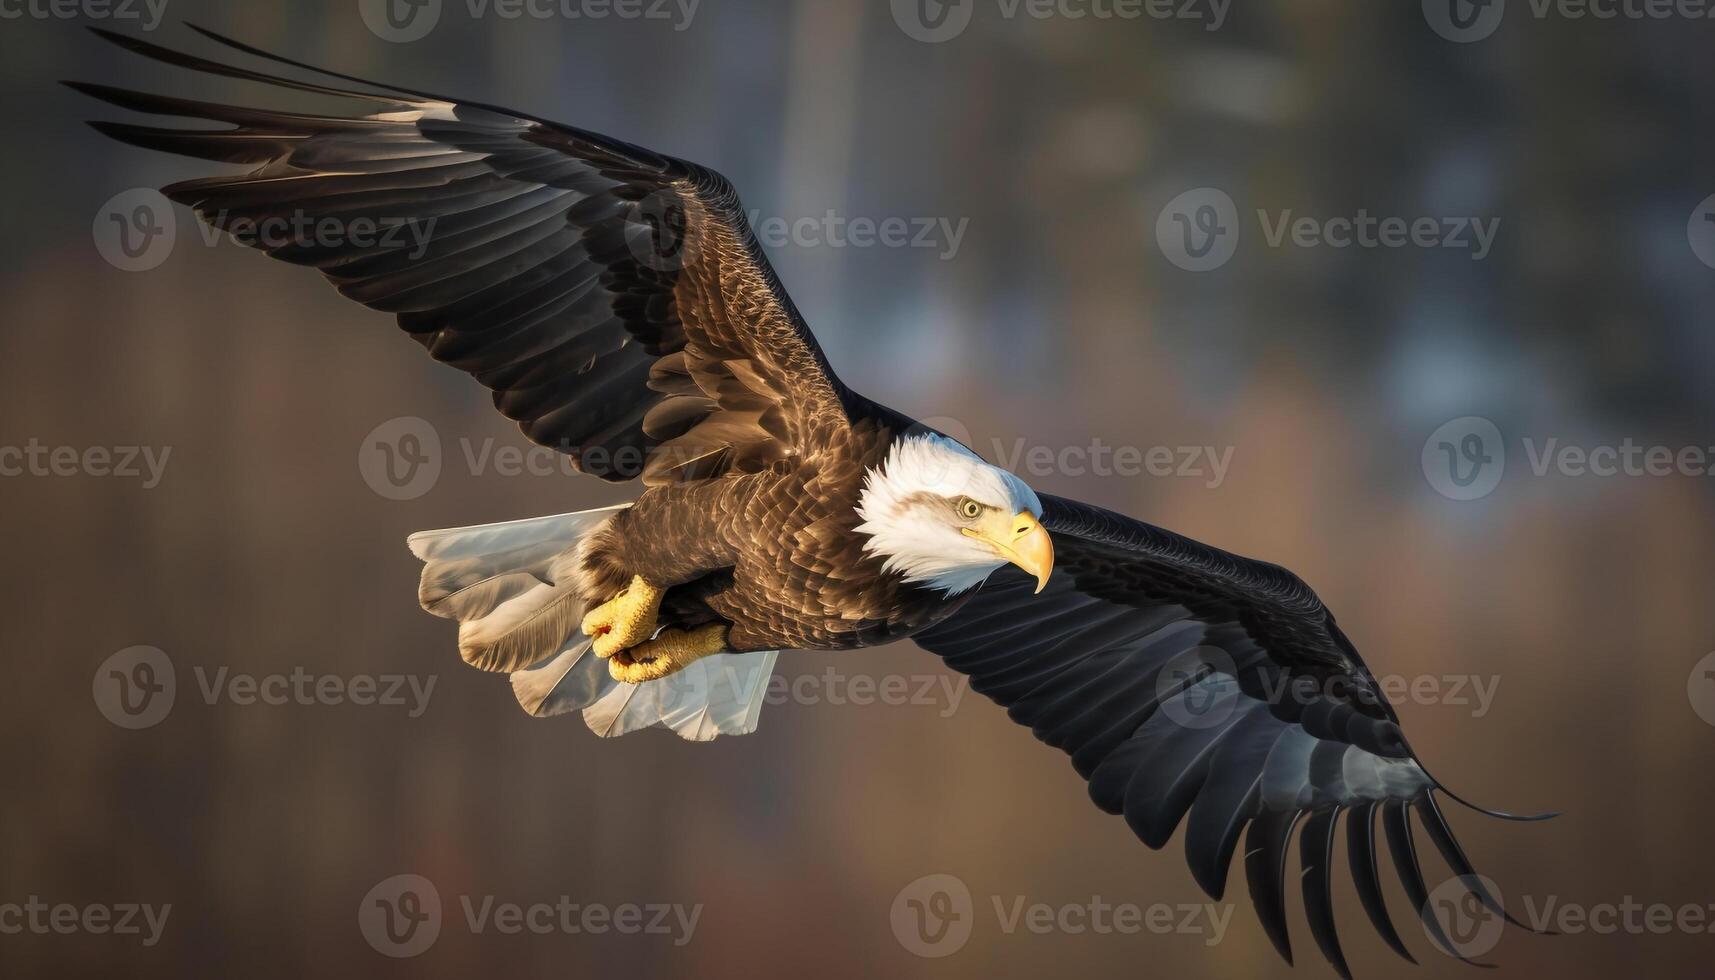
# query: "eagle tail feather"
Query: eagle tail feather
{"points": [[512, 589]]}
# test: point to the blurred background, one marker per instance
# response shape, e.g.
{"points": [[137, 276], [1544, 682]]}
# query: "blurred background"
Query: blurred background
{"points": [[1041, 155]]}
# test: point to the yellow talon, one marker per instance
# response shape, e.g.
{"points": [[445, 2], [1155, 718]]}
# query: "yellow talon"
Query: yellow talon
{"points": [[668, 653], [625, 620]]}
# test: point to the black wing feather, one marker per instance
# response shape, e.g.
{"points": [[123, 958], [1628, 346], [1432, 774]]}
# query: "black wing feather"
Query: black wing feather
{"points": [[1195, 688], [1316, 853], [557, 266], [1361, 854], [1265, 873]]}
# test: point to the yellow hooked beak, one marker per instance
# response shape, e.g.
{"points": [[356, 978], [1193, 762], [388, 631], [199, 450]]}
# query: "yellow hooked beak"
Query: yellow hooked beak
{"points": [[1020, 539]]}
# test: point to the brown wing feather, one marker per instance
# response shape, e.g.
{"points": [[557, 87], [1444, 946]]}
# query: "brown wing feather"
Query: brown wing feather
{"points": [[613, 299]]}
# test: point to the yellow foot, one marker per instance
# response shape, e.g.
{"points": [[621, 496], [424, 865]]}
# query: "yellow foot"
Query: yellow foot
{"points": [[668, 653], [625, 620]]}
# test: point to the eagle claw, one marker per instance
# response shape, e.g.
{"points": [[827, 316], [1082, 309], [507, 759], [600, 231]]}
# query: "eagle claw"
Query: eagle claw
{"points": [[625, 620], [669, 653]]}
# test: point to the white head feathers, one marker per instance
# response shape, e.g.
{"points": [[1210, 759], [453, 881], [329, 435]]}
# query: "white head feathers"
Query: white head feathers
{"points": [[907, 502]]}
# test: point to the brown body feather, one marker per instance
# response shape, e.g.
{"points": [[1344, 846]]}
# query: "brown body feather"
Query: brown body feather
{"points": [[773, 554]]}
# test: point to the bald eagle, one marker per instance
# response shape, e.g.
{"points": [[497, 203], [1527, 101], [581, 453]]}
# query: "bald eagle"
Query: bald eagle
{"points": [[616, 303]]}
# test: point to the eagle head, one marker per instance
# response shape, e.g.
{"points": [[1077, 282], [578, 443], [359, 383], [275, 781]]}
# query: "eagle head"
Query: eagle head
{"points": [[944, 517]]}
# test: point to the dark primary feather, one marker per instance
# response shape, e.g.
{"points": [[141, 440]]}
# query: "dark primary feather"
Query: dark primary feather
{"points": [[1194, 687], [613, 299]]}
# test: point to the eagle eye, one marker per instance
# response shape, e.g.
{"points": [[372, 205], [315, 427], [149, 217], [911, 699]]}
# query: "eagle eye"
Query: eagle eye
{"points": [[969, 509]]}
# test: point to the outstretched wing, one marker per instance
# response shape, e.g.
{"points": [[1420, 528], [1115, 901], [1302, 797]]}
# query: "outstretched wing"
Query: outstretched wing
{"points": [[1192, 685], [613, 299]]}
